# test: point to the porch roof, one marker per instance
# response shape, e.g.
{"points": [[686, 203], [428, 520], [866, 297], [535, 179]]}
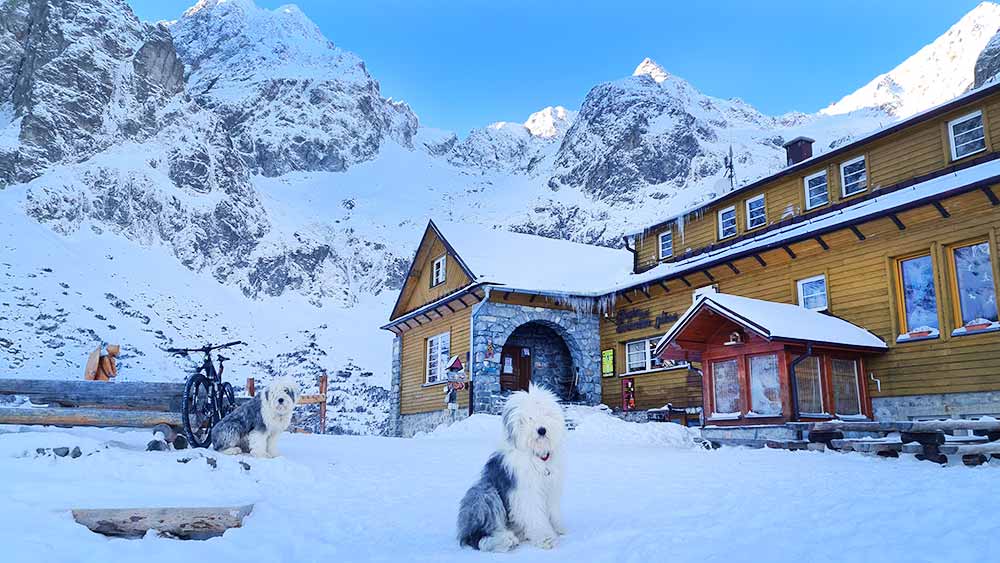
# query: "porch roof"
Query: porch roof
{"points": [[776, 321]]}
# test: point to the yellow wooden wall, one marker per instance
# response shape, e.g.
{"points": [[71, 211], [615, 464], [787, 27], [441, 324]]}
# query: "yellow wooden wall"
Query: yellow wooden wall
{"points": [[415, 397], [860, 278], [912, 152], [417, 290]]}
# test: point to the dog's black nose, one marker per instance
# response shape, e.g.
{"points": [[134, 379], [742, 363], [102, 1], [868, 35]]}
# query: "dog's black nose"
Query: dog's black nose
{"points": [[541, 431], [281, 401]]}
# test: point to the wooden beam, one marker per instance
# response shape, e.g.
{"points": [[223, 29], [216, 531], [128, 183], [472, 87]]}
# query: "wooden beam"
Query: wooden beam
{"points": [[896, 220], [59, 416], [185, 523], [417, 320], [944, 212], [760, 260], [449, 307], [533, 297], [857, 232], [506, 295], [428, 317], [990, 195], [788, 250], [822, 243], [627, 298], [132, 395], [645, 292], [708, 275], [733, 268], [686, 282], [664, 286], [478, 296]]}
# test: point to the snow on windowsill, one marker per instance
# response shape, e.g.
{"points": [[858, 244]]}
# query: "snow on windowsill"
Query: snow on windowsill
{"points": [[752, 414], [963, 331], [657, 370], [917, 335], [434, 383], [852, 417], [815, 415], [724, 416]]}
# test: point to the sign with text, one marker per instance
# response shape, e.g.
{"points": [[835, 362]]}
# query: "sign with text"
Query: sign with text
{"points": [[608, 362], [635, 319]]}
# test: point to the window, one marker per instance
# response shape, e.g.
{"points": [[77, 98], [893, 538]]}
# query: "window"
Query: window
{"points": [[846, 399], [438, 350], [666, 244], [973, 287], [853, 176], [726, 388], [809, 387], [639, 356], [765, 389], [917, 297], [727, 222], [812, 293], [816, 193], [966, 135], [756, 213], [438, 270]]}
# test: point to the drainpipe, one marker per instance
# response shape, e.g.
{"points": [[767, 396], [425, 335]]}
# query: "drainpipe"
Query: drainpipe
{"points": [[635, 256], [793, 382]]}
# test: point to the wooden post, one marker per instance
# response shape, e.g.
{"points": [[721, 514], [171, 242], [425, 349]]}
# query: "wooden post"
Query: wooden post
{"points": [[251, 390], [184, 523], [322, 406]]}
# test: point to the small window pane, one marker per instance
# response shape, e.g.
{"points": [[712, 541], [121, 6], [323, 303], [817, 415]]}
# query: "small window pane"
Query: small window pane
{"points": [[845, 387], [976, 288], [635, 353], [854, 177], [654, 362], [438, 270], [807, 382], [816, 191], [919, 294], [756, 213], [812, 293], [727, 387], [967, 136], [666, 245], [727, 223], [438, 350], [765, 389]]}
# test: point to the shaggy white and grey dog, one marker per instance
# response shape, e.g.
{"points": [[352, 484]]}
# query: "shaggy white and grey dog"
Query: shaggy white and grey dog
{"points": [[517, 497], [255, 425]]}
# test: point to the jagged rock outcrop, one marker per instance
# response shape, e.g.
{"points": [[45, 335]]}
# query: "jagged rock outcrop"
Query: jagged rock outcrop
{"points": [[988, 62]]}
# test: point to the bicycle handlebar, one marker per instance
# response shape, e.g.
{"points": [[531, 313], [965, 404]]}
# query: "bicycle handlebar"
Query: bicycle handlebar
{"points": [[204, 349]]}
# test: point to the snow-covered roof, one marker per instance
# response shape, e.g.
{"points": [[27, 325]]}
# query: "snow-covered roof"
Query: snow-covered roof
{"points": [[988, 171], [534, 263], [777, 321]]}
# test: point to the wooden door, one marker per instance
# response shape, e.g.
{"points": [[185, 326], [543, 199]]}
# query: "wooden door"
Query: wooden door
{"points": [[515, 368]]}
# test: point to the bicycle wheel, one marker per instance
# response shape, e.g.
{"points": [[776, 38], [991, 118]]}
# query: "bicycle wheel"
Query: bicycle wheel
{"points": [[228, 399], [198, 412]]}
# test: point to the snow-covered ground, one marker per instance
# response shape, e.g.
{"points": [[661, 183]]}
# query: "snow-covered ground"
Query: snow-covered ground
{"points": [[633, 493]]}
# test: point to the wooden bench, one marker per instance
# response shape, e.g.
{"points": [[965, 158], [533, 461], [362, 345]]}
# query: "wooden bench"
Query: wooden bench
{"points": [[670, 413]]}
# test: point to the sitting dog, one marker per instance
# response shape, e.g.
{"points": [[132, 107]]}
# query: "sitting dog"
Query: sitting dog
{"points": [[254, 426], [517, 497]]}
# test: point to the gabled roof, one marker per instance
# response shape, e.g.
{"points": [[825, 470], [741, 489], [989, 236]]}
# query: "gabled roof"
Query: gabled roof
{"points": [[533, 263], [777, 321]]}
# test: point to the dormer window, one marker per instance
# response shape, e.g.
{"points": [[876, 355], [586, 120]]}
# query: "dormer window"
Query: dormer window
{"points": [[853, 176], [727, 223], [816, 190], [756, 213], [438, 270], [966, 135], [666, 244]]}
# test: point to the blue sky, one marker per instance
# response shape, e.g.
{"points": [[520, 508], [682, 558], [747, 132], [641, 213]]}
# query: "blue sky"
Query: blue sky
{"points": [[465, 63]]}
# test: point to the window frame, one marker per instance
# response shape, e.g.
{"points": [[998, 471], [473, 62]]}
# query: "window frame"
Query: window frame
{"points": [[659, 244], [956, 304], [738, 413], [843, 177], [805, 185], [427, 358], [443, 260], [826, 291], [751, 412], [736, 223], [904, 328], [821, 380], [857, 388], [951, 133], [763, 200], [651, 343]]}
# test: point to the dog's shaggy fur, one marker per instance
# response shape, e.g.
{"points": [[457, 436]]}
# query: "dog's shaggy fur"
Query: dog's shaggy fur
{"points": [[517, 497], [254, 426]]}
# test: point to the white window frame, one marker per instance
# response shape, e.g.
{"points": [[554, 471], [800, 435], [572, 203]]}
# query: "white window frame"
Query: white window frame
{"points": [[669, 234], [440, 366], [760, 198], [736, 227], [826, 291], [857, 391], [439, 274], [843, 177], [650, 344], [805, 184], [819, 377], [951, 133]]}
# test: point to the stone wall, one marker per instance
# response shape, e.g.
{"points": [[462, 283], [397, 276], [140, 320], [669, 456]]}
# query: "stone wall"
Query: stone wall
{"points": [[951, 405], [551, 364], [410, 424], [493, 323], [394, 391]]}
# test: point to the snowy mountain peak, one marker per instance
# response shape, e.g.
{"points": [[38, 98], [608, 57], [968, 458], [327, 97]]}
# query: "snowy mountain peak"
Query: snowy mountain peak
{"points": [[549, 122], [933, 75], [652, 69]]}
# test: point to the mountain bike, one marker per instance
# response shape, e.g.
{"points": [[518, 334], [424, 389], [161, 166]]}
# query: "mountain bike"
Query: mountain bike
{"points": [[207, 399]]}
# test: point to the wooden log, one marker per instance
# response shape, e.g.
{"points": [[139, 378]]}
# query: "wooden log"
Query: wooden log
{"points": [[184, 523], [137, 395], [58, 416], [323, 382], [900, 426], [925, 438], [866, 446], [787, 444], [970, 449]]}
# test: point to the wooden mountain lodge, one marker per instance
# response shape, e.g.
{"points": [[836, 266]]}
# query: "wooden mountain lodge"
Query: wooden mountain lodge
{"points": [[858, 283]]}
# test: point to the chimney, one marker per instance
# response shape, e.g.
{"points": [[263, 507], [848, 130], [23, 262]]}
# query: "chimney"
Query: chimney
{"points": [[798, 149]]}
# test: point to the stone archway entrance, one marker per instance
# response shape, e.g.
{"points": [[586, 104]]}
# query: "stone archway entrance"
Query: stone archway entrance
{"points": [[536, 353]]}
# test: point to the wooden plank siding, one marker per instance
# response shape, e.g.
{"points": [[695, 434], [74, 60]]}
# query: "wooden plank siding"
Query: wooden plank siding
{"points": [[860, 281], [914, 151], [417, 290], [415, 397]]}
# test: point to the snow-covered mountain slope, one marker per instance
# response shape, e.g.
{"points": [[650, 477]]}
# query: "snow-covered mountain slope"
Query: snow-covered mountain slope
{"points": [[935, 74]]}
